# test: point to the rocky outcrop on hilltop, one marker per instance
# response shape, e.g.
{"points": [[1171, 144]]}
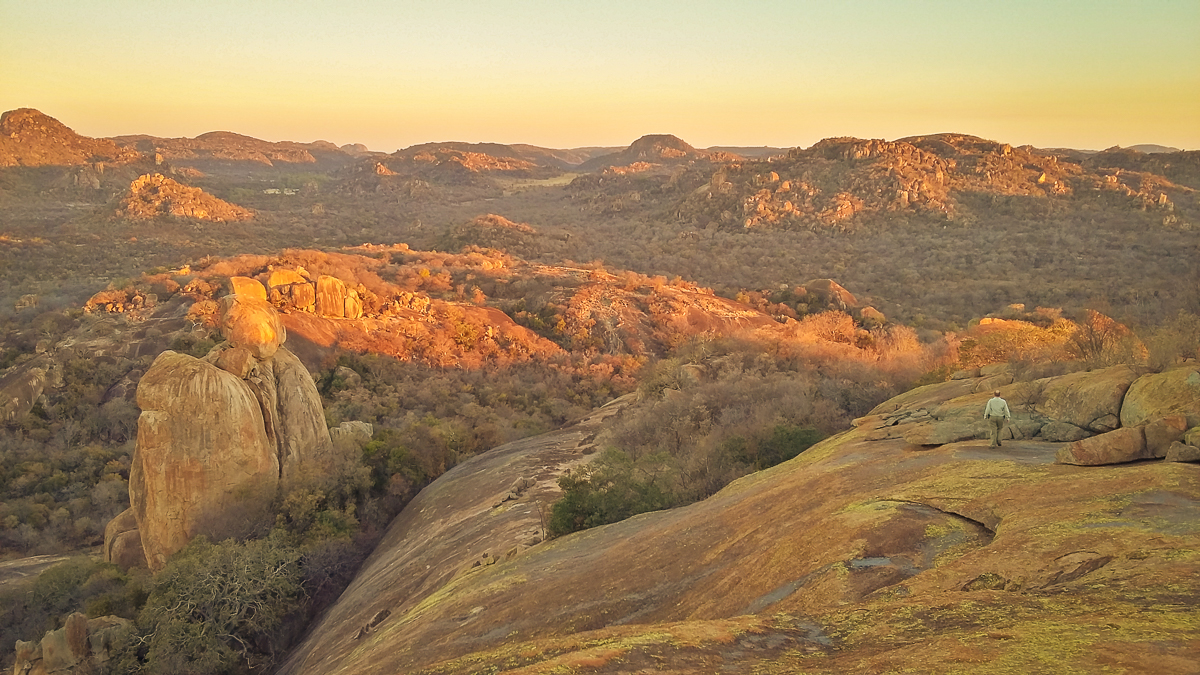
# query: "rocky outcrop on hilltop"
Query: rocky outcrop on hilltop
{"points": [[582, 309], [1180, 166], [841, 181], [655, 149], [155, 195], [30, 138], [223, 152], [216, 436], [204, 464], [1114, 415], [863, 554]]}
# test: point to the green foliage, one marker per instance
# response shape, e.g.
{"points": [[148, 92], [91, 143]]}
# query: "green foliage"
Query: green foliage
{"points": [[775, 446], [612, 488], [192, 345], [713, 412], [218, 608], [29, 610]]}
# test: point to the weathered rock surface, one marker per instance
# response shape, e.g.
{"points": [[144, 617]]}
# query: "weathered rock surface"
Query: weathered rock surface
{"points": [[20, 389], [215, 437], [1179, 452], [1174, 391], [857, 556], [1114, 447], [304, 440], [1088, 400], [252, 324], [940, 433], [80, 646], [123, 541], [1162, 432], [203, 464], [1062, 432], [246, 287], [331, 296], [352, 432]]}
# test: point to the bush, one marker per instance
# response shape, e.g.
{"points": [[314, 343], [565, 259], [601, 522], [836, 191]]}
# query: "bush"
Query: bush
{"points": [[28, 611], [218, 608], [612, 488]]}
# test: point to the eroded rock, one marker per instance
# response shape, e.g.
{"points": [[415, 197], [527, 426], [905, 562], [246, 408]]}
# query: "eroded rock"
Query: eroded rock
{"points": [[123, 541], [1088, 400], [245, 287], [1115, 447], [1162, 432], [1180, 452], [252, 324], [1175, 391]]}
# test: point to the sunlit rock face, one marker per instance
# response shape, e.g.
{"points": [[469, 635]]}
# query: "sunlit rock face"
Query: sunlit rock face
{"points": [[215, 437], [204, 463], [154, 195], [251, 323]]}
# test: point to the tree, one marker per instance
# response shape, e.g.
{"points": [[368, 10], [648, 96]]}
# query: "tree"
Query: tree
{"points": [[216, 608]]}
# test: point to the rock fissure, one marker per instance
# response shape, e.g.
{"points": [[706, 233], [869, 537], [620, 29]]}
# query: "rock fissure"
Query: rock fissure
{"points": [[990, 531]]}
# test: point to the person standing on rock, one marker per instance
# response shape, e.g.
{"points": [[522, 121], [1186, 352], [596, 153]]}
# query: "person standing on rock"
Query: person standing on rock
{"points": [[996, 413]]}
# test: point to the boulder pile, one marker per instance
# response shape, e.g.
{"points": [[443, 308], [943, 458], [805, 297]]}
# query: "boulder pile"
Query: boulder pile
{"points": [[1110, 416]]}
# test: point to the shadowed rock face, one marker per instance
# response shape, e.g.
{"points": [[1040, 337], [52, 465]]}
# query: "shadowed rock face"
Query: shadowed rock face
{"points": [[204, 461], [859, 555]]}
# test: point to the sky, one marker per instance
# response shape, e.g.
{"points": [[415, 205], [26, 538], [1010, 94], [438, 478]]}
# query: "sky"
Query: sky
{"points": [[1086, 74]]}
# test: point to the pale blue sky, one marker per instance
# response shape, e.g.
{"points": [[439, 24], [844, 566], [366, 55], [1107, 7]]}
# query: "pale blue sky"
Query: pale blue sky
{"points": [[567, 74]]}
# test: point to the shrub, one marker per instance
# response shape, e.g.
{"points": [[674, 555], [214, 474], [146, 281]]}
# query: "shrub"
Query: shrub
{"points": [[218, 608], [612, 488]]}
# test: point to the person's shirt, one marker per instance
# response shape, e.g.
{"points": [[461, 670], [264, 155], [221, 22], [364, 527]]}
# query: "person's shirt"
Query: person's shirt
{"points": [[996, 407]]}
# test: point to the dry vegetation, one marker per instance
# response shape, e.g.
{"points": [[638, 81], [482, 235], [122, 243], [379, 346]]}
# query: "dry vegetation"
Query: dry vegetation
{"points": [[491, 314]]}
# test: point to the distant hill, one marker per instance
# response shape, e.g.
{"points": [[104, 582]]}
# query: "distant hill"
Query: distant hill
{"points": [[218, 151], [155, 195], [651, 149], [840, 181], [1151, 149], [756, 152], [30, 138]]}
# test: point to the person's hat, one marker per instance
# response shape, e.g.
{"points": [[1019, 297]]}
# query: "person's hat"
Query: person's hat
{"points": [[996, 393]]}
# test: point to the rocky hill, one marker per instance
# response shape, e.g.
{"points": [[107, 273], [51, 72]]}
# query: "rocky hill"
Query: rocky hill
{"points": [[867, 553], [223, 151], [841, 183], [653, 149], [154, 195], [29, 138], [1182, 167]]}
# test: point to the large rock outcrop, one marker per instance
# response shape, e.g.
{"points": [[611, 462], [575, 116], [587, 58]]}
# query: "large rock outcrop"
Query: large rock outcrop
{"points": [[155, 195], [861, 555], [216, 436], [20, 389], [1174, 391], [1088, 400], [204, 463]]}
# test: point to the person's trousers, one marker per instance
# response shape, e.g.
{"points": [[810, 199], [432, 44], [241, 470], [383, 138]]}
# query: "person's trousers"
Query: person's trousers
{"points": [[996, 423]]}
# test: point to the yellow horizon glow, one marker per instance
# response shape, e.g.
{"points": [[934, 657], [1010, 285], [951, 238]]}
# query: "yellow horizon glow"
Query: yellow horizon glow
{"points": [[393, 74]]}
